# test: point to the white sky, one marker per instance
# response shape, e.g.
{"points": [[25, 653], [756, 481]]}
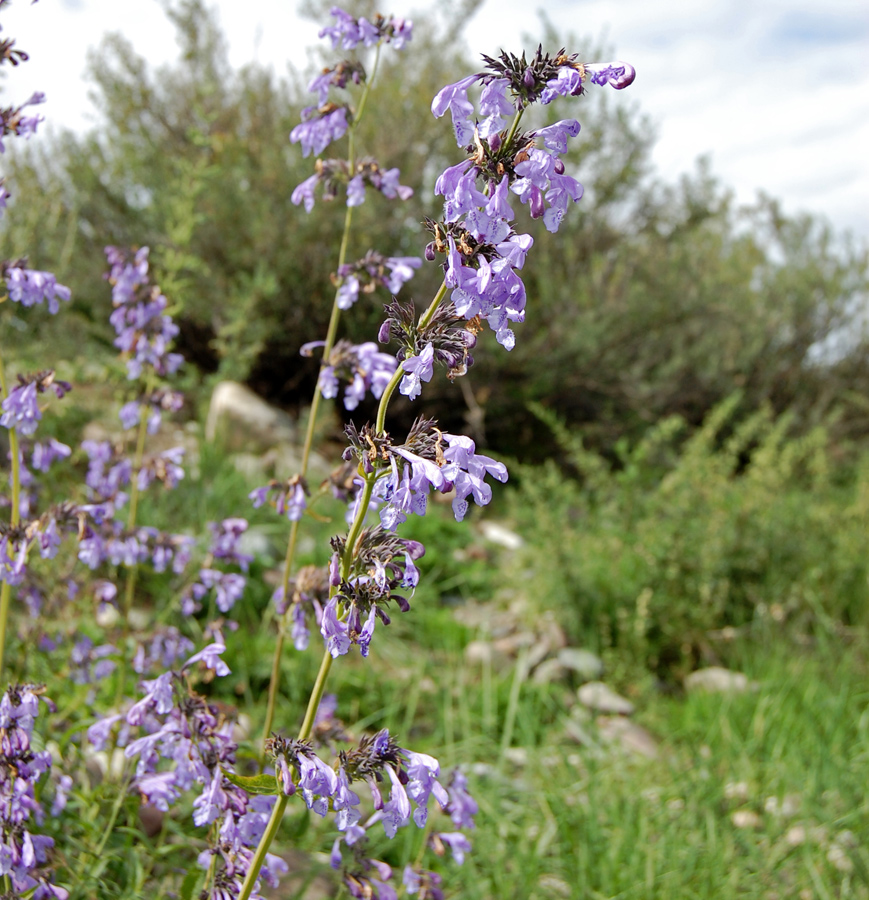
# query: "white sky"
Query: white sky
{"points": [[775, 91]]}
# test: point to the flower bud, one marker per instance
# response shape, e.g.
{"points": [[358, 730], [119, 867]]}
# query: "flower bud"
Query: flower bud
{"points": [[383, 334], [430, 254], [528, 78], [495, 143], [559, 167]]}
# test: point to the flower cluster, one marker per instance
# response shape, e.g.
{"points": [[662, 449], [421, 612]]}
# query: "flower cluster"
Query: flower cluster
{"points": [[430, 459], [21, 408], [336, 76], [412, 780], [152, 403], [307, 592], [43, 532], [289, 498], [334, 174], [484, 253], [319, 127], [228, 587], [144, 332], [381, 564], [513, 83], [327, 121], [361, 367], [349, 32], [22, 852], [188, 746], [372, 271], [13, 121], [447, 339], [32, 288]]}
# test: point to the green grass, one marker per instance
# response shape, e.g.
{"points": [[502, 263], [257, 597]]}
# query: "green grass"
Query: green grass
{"points": [[557, 818]]}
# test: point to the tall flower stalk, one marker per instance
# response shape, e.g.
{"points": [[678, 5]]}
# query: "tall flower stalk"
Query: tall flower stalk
{"points": [[483, 255], [338, 76]]}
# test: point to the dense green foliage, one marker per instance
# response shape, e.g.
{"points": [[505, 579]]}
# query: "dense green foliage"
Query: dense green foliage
{"points": [[687, 544]]}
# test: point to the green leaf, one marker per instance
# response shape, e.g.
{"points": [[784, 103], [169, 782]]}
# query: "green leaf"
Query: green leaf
{"points": [[254, 784], [190, 883]]}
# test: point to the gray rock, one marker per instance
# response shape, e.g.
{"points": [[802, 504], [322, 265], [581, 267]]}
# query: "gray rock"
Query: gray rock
{"points": [[484, 653], [627, 735], [548, 671], [241, 420], [715, 680], [588, 666], [596, 695], [498, 534]]}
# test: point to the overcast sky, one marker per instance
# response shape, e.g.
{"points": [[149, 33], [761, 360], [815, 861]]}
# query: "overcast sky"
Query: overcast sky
{"points": [[776, 92]]}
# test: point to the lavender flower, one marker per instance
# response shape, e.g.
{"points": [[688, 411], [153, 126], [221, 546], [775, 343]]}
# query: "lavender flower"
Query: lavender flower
{"points": [[348, 32], [288, 497], [335, 175], [362, 367], [319, 127], [31, 288], [144, 332], [22, 852]]}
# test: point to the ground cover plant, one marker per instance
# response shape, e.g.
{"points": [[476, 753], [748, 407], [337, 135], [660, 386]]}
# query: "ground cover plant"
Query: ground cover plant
{"points": [[125, 764]]}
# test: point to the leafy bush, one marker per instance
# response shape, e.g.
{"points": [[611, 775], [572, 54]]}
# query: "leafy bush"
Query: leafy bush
{"points": [[738, 526]]}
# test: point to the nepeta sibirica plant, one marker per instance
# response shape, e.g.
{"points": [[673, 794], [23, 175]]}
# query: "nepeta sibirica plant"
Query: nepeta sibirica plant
{"points": [[143, 717]]}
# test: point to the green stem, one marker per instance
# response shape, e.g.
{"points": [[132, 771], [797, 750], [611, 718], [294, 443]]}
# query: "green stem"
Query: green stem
{"points": [[14, 516], [331, 334], [514, 127], [281, 805]]}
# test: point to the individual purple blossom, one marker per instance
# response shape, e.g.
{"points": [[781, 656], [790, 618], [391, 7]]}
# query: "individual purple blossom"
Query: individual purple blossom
{"points": [[461, 807], [13, 560], [130, 414], [457, 842], [616, 74], [418, 368], [454, 97], [210, 656], [304, 192], [355, 197], [336, 633]]}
